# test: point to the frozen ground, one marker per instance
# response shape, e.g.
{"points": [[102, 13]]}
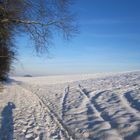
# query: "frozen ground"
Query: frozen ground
{"points": [[86, 107]]}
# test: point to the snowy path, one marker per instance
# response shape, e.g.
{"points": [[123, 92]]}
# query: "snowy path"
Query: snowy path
{"points": [[102, 108], [32, 118]]}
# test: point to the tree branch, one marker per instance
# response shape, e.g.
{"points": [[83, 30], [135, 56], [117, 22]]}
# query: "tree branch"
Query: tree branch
{"points": [[27, 22]]}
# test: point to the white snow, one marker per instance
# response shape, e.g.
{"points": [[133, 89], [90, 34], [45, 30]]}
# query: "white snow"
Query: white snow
{"points": [[60, 78], [78, 107]]}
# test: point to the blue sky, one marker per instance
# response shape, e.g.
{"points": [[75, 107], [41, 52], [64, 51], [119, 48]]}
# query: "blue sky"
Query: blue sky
{"points": [[109, 41]]}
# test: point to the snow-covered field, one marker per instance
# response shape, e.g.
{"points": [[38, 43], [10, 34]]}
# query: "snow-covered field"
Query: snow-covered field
{"points": [[86, 107]]}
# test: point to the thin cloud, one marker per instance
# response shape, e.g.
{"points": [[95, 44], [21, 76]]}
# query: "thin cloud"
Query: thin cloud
{"points": [[111, 35], [108, 21]]}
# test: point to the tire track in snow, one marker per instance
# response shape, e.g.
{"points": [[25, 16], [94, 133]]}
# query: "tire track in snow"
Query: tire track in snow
{"points": [[134, 103], [66, 92], [102, 116], [66, 131], [84, 92], [134, 106], [69, 132], [127, 100], [125, 119], [74, 109]]}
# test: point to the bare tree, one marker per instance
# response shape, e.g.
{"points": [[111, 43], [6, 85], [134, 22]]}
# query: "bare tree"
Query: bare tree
{"points": [[40, 19]]}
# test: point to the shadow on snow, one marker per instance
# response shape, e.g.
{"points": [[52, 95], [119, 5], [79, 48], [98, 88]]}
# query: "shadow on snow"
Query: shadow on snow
{"points": [[6, 130]]}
